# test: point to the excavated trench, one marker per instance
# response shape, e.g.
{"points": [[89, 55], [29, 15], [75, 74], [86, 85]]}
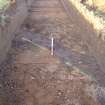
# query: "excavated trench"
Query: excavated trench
{"points": [[32, 76]]}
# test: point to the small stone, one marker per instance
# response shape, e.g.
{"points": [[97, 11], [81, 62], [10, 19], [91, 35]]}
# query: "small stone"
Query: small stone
{"points": [[68, 64], [32, 78], [59, 93], [80, 62]]}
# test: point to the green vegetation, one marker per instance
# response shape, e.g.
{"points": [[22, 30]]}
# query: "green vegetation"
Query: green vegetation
{"points": [[3, 20], [4, 4], [99, 13]]}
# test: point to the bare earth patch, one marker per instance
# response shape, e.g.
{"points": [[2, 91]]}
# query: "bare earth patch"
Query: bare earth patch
{"points": [[37, 78]]}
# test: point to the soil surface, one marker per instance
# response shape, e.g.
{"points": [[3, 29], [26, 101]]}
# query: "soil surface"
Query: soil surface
{"points": [[32, 76]]}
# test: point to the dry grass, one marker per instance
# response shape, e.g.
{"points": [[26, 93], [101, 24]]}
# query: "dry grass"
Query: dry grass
{"points": [[97, 21]]}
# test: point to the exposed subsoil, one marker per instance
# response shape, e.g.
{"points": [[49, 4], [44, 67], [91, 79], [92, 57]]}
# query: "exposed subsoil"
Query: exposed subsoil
{"points": [[32, 76]]}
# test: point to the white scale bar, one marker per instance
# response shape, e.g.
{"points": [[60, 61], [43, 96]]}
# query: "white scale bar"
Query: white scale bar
{"points": [[52, 46]]}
